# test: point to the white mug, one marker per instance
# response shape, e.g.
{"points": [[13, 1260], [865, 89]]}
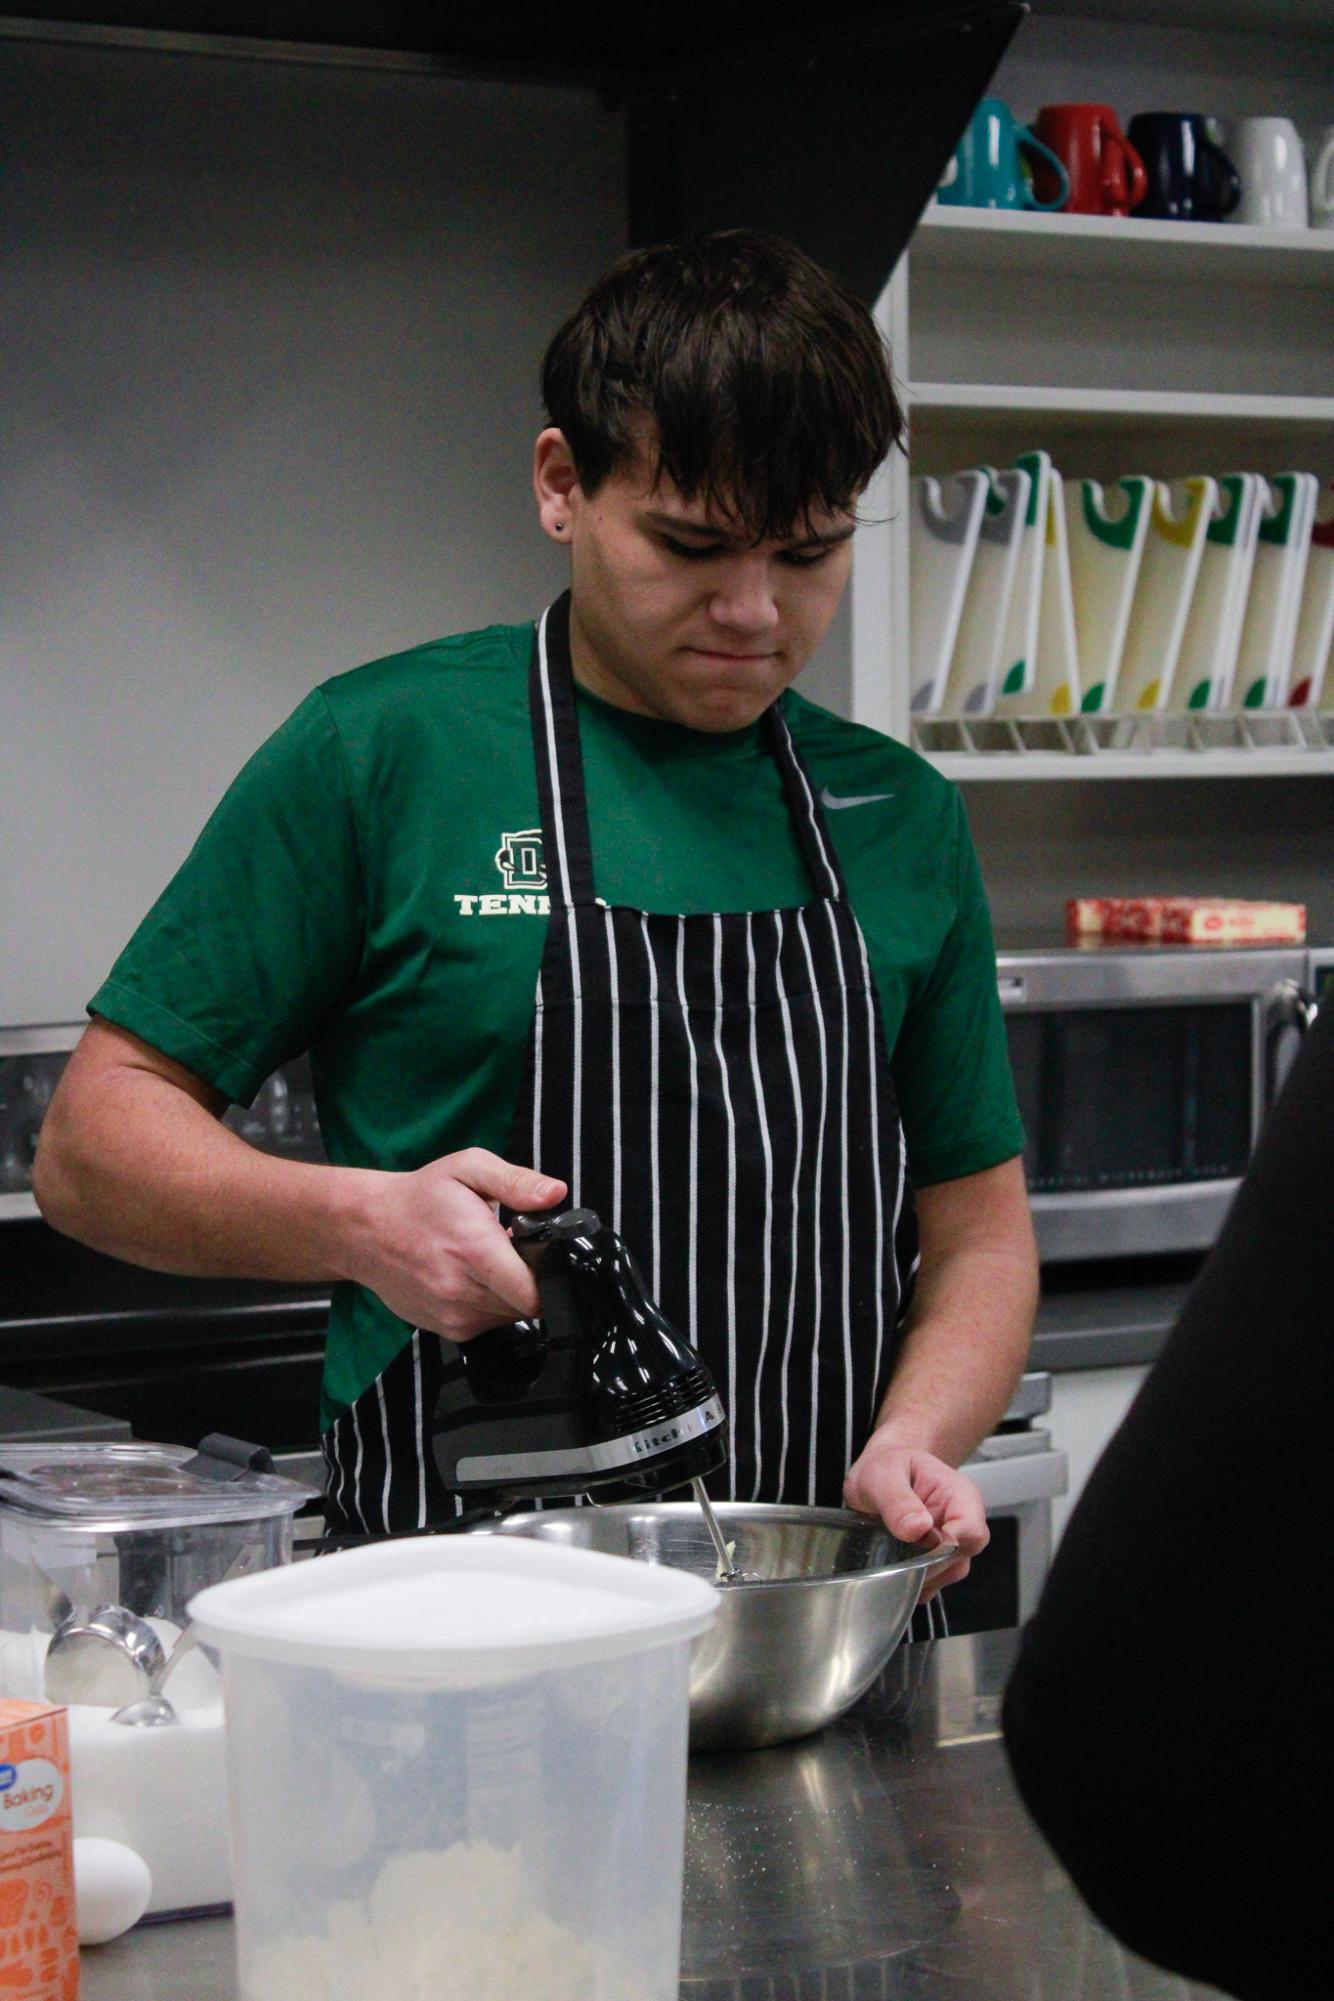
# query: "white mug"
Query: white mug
{"points": [[1267, 153], [1322, 180]]}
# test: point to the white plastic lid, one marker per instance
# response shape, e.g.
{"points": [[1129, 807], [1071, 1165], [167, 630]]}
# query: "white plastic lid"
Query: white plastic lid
{"points": [[456, 1609]]}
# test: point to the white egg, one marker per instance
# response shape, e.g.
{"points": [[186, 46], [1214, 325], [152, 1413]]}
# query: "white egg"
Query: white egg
{"points": [[112, 1886]]}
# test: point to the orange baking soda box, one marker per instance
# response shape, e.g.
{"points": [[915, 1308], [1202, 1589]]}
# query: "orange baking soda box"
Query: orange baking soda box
{"points": [[39, 1941]]}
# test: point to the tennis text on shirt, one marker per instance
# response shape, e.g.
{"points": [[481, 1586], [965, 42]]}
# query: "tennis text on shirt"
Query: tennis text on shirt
{"points": [[524, 874]]}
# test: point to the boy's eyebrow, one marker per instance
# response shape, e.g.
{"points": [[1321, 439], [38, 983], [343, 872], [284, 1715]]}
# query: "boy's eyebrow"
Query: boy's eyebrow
{"points": [[705, 532], [828, 541]]}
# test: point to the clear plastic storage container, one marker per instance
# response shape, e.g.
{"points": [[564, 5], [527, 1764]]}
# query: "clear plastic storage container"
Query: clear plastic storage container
{"points": [[140, 1529], [141, 1526], [457, 1772]]}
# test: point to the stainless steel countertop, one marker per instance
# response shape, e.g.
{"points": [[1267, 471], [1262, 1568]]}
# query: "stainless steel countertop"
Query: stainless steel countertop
{"points": [[887, 1857]]}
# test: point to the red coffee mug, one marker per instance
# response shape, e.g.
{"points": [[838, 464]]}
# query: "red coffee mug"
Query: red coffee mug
{"points": [[1106, 173]]}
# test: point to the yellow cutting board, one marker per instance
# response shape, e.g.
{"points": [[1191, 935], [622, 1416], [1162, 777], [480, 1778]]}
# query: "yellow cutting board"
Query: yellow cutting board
{"points": [[1055, 690], [1173, 546]]}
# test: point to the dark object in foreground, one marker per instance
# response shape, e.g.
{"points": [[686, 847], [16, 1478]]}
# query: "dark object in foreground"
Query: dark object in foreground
{"points": [[1165, 1774]]}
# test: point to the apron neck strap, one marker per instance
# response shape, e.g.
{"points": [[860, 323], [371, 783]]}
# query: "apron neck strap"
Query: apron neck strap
{"points": [[804, 808], [566, 845]]}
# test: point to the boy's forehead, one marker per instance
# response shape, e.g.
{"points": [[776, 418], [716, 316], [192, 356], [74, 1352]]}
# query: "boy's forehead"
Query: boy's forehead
{"points": [[656, 495]]}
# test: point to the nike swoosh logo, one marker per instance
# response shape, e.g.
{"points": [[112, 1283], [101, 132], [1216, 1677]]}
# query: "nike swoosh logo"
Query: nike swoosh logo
{"points": [[827, 798]]}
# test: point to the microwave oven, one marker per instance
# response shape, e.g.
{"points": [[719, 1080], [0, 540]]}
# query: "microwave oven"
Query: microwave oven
{"points": [[1143, 1075], [282, 1120]]}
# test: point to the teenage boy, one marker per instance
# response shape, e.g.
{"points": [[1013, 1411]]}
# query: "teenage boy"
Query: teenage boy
{"points": [[599, 909]]}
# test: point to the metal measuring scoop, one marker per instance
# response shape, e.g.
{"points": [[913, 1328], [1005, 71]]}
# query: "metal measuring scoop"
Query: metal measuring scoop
{"points": [[110, 1656], [153, 1709]]}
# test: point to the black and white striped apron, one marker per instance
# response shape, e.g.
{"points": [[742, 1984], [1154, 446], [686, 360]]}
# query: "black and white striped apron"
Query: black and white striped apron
{"points": [[717, 1088]]}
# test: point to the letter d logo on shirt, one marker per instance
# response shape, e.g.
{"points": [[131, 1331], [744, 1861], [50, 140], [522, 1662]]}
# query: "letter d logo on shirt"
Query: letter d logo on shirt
{"points": [[520, 860]]}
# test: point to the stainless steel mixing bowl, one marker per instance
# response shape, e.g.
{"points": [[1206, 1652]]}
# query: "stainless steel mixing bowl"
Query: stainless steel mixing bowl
{"points": [[788, 1653]]}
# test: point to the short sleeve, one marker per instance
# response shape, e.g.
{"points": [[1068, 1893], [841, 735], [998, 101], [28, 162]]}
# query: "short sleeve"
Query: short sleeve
{"points": [[951, 1064], [260, 933]]}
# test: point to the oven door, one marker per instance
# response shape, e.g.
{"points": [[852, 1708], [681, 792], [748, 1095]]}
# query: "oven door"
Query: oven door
{"points": [[1142, 1076]]}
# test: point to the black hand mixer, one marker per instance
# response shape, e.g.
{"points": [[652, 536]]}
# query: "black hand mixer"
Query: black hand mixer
{"points": [[599, 1391]]}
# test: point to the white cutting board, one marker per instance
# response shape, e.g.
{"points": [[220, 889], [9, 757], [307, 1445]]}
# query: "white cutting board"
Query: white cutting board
{"points": [[1312, 682], [945, 519], [974, 677], [1019, 647], [1106, 540], [1178, 523], [1208, 654], [1055, 690], [1264, 657]]}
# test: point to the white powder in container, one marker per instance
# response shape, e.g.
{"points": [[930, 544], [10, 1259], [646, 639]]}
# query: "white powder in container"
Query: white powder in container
{"points": [[452, 1924], [163, 1793]]}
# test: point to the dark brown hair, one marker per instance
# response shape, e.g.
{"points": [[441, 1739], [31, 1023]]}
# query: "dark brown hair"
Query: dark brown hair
{"points": [[760, 385]]}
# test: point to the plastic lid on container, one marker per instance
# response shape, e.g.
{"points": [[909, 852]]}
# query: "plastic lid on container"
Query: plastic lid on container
{"points": [[455, 1609], [112, 1488]]}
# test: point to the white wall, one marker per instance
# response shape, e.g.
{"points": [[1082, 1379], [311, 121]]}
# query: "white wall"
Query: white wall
{"points": [[1269, 60], [270, 338]]}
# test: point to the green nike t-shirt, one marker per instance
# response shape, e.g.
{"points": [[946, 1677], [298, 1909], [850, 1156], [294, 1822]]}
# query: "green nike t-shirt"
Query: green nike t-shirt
{"points": [[371, 890]]}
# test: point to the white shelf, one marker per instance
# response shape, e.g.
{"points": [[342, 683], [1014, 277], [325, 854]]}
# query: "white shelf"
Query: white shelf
{"points": [[1200, 407], [966, 768], [1099, 432], [1087, 246]]}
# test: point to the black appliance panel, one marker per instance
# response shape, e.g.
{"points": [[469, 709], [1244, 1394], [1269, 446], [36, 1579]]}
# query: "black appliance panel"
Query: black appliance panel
{"points": [[1123, 1097]]}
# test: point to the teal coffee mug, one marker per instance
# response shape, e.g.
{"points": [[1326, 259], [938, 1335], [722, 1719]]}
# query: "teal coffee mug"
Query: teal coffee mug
{"points": [[986, 170]]}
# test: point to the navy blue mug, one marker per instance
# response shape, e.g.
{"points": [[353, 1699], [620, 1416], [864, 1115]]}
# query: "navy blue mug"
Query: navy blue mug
{"points": [[1190, 178]]}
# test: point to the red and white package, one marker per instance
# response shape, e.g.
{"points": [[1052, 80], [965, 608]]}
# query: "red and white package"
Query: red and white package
{"points": [[1183, 920]]}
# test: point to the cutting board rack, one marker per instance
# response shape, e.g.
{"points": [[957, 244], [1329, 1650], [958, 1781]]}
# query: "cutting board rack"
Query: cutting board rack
{"points": [[1222, 743], [1120, 346]]}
